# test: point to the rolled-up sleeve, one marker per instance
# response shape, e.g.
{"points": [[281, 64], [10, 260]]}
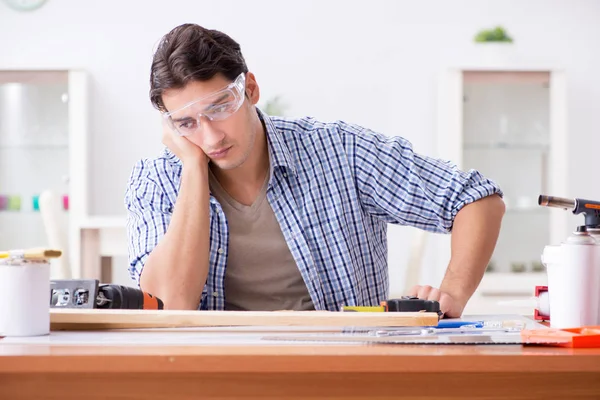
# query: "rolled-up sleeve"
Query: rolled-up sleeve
{"points": [[149, 210], [402, 187]]}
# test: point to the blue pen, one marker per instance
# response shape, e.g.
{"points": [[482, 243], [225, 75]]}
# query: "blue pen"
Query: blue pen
{"points": [[458, 324]]}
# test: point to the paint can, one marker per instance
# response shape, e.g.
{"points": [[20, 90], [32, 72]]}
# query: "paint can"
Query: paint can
{"points": [[24, 297]]}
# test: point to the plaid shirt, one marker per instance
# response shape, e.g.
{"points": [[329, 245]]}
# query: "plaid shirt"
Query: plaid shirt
{"points": [[334, 188]]}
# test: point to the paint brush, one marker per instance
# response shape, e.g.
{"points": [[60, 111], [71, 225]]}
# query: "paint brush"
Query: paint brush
{"points": [[31, 254]]}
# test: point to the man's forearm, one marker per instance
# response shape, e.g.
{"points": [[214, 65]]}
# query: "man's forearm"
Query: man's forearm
{"points": [[177, 268], [474, 235]]}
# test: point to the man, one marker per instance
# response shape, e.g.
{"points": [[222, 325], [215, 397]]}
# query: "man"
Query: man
{"points": [[252, 212]]}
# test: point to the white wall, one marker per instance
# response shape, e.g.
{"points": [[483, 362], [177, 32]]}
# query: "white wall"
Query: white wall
{"points": [[370, 62]]}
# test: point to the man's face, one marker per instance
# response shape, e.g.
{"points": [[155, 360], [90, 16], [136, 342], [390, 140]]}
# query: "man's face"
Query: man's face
{"points": [[227, 142]]}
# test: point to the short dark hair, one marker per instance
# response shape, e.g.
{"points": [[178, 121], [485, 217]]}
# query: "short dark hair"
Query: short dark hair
{"points": [[192, 53]]}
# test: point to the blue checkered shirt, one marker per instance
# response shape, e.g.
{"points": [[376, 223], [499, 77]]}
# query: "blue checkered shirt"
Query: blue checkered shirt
{"points": [[334, 188]]}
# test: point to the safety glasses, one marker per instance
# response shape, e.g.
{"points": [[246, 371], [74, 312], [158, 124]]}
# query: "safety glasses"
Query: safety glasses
{"points": [[215, 107]]}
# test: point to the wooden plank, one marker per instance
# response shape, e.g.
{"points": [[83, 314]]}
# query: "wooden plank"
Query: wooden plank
{"points": [[73, 319]]}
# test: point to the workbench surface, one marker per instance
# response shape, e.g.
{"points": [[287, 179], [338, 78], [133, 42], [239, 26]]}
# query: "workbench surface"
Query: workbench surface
{"points": [[241, 362]]}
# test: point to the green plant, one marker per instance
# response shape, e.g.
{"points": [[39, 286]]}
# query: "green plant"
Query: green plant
{"points": [[274, 106], [498, 34], [517, 267], [537, 266]]}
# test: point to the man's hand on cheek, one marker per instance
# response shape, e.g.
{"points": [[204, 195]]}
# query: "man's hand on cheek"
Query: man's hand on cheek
{"points": [[448, 305], [183, 148]]}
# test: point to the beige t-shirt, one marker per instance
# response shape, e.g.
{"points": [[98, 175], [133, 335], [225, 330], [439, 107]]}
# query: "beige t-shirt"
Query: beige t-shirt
{"points": [[261, 274]]}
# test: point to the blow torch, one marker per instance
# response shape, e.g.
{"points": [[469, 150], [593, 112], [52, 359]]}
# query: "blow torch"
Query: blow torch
{"points": [[589, 208]]}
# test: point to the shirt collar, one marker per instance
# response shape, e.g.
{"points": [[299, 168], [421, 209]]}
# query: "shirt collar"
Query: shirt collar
{"points": [[279, 153], [172, 158]]}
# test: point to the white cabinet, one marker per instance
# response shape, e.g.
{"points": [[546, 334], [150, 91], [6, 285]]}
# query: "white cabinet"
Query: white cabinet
{"points": [[509, 122], [43, 148]]}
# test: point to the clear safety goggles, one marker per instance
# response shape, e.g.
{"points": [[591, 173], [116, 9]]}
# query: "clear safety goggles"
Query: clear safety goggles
{"points": [[215, 107]]}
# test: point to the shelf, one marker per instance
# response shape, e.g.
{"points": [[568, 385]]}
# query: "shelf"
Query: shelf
{"points": [[22, 217], [528, 209], [533, 77], [34, 147], [511, 283], [18, 213], [104, 222], [34, 77], [524, 146]]}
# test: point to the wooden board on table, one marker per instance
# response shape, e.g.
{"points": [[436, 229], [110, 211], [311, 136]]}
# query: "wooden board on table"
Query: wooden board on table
{"points": [[73, 319]]}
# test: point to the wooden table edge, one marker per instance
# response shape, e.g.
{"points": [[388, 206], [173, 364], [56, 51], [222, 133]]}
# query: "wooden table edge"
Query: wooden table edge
{"points": [[342, 360]]}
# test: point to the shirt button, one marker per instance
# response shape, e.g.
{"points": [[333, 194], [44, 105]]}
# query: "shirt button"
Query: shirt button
{"points": [[220, 251], [285, 174], [216, 294]]}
